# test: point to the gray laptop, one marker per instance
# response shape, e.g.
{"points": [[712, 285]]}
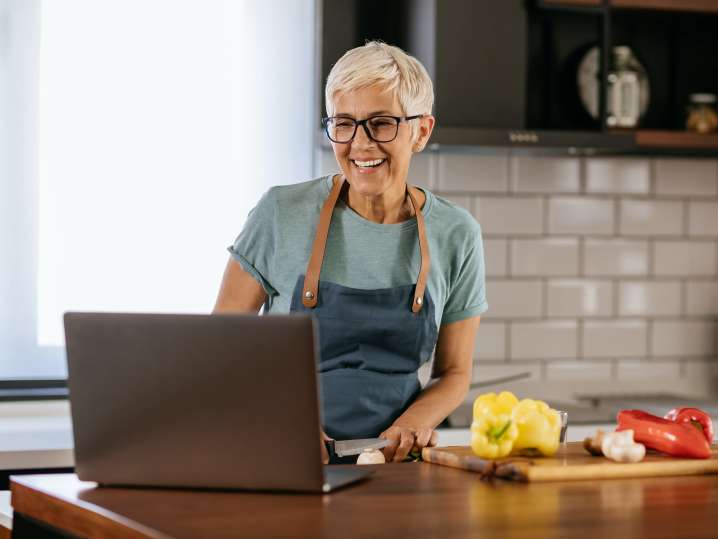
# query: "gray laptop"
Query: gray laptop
{"points": [[200, 401]]}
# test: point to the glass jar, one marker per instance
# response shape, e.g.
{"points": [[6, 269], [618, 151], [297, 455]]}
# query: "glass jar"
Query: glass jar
{"points": [[627, 89], [702, 115]]}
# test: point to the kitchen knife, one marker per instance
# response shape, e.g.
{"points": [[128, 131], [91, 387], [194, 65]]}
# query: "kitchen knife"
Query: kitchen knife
{"points": [[354, 447]]}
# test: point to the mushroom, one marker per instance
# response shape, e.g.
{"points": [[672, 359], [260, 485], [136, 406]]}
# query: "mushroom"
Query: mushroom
{"points": [[371, 456], [619, 446]]}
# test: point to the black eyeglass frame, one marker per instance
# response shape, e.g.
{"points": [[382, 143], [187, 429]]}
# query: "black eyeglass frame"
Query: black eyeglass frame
{"points": [[363, 123]]}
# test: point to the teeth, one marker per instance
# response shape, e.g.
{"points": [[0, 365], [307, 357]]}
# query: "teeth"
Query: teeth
{"points": [[373, 163]]}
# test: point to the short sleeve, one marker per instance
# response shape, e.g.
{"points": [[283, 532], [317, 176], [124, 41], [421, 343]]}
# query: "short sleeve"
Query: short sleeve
{"points": [[467, 295], [255, 246]]}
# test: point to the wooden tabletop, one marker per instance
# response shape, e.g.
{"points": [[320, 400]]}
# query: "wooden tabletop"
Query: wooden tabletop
{"points": [[409, 500]]}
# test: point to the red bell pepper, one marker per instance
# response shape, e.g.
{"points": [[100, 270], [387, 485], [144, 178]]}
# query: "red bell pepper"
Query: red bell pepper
{"points": [[664, 435], [695, 417]]}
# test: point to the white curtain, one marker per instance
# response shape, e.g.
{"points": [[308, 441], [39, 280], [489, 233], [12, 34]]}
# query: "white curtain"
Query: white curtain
{"points": [[136, 135]]}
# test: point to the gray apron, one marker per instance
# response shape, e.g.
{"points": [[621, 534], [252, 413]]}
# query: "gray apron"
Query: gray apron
{"points": [[372, 342]]}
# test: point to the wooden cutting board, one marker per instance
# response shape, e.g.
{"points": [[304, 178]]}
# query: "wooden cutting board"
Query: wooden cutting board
{"points": [[572, 462]]}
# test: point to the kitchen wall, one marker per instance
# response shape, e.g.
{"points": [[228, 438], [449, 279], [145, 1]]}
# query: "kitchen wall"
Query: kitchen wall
{"points": [[602, 272]]}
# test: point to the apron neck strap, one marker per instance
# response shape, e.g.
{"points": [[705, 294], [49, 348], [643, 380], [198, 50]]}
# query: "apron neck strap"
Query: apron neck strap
{"points": [[310, 291]]}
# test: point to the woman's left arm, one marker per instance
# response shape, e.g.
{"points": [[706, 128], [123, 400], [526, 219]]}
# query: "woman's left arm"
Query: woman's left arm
{"points": [[414, 429]]}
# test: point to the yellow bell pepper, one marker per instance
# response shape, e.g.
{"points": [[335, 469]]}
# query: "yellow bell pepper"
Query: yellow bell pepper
{"points": [[539, 427], [493, 435], [503, 403]]}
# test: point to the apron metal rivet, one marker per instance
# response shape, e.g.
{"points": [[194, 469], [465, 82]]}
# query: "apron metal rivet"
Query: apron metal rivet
{"points": [[308, 294], [418, 301]]}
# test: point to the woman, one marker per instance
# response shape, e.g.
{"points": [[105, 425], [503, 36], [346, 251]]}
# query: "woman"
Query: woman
{"points": [[396, 262]]}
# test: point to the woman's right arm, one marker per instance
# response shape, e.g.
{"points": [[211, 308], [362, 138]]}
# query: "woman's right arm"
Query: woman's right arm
{"points": [[239, 292]]}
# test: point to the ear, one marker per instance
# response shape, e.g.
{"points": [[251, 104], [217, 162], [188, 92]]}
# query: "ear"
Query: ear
{"points": [[426, 126]]}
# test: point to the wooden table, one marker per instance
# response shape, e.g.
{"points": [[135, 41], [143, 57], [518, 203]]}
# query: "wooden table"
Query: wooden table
{"points": [[409, 500]]}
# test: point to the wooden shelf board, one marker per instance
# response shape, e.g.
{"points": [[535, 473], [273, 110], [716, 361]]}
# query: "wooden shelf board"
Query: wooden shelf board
{"points": [[699, 6], [702, 6], [574, 3], [675, 139]]}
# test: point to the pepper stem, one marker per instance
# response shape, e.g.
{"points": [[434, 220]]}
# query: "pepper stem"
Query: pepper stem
{"points": [[497, 432]]}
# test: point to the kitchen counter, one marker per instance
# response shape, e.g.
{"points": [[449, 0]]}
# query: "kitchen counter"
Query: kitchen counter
{"points": [[39, 435], [417, 500]]}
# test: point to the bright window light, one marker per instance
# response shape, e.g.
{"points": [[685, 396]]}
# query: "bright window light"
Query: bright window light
{"points": [[161, 122]]}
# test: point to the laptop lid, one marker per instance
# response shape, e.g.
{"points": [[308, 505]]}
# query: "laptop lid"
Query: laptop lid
{"points": [[217, 401]]}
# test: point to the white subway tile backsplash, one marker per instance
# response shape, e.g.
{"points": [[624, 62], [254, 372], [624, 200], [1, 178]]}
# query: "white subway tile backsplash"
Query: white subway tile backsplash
{"points": [[618, 175], [578, 370], [514, 299], [702, 298], [551, 257], [579, 298], [473, 172], [545, 174], [683, 338], [490, 341], [642, 369], [507, 216], [544, 340], [421, 170], [463, 201], [569, 304], [496, 257], [614, 338], [651, 217], [660, 298], [703, 218], [685, 258], [702, 375], [326, 163], [577, 215], [487, 372], [616, 257], [687, 177]]}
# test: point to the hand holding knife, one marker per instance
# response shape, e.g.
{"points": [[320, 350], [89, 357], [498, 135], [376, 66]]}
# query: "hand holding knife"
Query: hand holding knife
{"points": [[344, 448]]}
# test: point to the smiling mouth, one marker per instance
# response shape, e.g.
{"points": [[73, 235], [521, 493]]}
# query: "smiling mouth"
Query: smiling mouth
{"points": [[368, 164]]}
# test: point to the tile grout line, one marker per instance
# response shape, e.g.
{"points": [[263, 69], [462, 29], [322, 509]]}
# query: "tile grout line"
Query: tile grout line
{"points": [[545, 207], [650, 330], [507, 338]]}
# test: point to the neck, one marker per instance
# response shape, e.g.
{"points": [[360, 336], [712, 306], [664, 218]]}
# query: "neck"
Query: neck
{"points": [[387, 208]]}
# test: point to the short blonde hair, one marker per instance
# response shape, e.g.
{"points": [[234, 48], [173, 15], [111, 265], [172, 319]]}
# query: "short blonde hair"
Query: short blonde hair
{"points": [[386, 65]]}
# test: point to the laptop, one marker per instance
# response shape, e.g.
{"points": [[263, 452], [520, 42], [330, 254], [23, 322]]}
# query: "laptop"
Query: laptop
{"points": [[225, 401]]}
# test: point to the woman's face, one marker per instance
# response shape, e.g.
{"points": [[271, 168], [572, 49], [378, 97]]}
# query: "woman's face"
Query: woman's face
{"points": [[391, 174]]}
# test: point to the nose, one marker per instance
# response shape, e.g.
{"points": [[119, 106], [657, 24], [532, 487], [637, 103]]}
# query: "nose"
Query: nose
{"points": [[361, 138]]}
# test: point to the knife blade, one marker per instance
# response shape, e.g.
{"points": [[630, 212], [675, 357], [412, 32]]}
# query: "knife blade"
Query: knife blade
{"points": [[354, 447]]}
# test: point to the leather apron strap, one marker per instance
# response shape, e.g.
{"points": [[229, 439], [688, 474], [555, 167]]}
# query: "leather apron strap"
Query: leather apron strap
{"points": [[310, 292]]}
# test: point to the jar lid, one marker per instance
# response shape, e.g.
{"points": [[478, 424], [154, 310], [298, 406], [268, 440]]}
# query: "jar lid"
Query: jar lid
{"points": [[702, 99]]}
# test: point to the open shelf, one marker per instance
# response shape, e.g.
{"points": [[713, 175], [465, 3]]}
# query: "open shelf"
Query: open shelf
{"points": [[527, 83]]}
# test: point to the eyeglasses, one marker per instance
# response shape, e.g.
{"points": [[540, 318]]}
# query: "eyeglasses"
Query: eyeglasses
{"points": [[378, 128]]}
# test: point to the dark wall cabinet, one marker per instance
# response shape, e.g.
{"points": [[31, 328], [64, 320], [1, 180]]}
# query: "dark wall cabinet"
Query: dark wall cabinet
{"points": [[505, 71]]}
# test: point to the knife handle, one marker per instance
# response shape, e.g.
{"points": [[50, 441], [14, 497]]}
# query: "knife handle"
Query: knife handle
{"points": [[333, 458]]}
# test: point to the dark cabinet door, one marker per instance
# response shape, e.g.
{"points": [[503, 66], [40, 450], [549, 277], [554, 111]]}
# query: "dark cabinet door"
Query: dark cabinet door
{"points": [[480, 70]]}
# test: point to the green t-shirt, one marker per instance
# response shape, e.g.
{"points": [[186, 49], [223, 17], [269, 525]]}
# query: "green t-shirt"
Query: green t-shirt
{"points": [[276, 242]]}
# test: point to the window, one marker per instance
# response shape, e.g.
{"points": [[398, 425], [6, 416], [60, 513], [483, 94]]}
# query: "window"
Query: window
{"points": [[135, 140]]}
